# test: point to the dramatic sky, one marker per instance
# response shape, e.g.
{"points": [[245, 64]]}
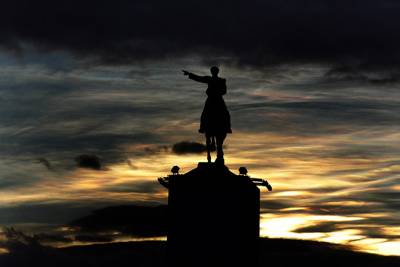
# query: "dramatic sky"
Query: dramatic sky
{"points": [[313, 91]]}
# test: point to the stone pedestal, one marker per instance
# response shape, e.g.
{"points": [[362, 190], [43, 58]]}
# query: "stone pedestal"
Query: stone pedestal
{"points": [[213, 218]]}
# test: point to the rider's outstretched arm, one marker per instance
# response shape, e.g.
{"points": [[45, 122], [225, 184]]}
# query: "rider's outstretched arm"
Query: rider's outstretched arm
{"points": [[201, 79], [197, 78]]}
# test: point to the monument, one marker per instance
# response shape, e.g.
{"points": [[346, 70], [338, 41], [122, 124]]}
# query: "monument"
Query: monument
{"points": [[213, 214], [215, 121]]}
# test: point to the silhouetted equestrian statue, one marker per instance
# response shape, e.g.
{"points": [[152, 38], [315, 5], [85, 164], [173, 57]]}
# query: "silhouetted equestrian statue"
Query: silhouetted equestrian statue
{"points": [[215, 120]]}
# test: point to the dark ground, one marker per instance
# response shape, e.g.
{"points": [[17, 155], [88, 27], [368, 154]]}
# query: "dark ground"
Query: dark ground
{"points": [[273, 252]]}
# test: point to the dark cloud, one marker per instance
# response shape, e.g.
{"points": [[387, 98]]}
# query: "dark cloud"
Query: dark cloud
{"points": [[44, 213], [134, 220], [45, 237], [274, 205], [325, 227], [130, 164], [146, 187], [373, 199], [89, 162], [93, 238], [188, 147], [366, 226], [45, 163], [19, 174], [357, 33], [107, 146], [338, 209], [324, 190], [151, 149], [7, 182], [312, 118], [360, 76], [60, 116]]}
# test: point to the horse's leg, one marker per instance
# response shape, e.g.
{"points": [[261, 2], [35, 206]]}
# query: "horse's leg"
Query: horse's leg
{"points": [[208, 143], [213, 146], [220, 142]]}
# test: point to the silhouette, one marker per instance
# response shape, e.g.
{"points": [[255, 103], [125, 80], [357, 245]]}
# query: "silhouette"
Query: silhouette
{"points": [[243, 171], [89, 162], [175, 170], [256, 181], [215, 120], [274, 252], [213, 218]]}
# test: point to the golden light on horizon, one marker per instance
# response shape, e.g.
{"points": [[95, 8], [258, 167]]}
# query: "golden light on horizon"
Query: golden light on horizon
{"points": [[394, 230], [285, 226], [119, 239], [294, 209], [298, 182], [380, 246], [396, 187], [343, 236], [291, 193]]}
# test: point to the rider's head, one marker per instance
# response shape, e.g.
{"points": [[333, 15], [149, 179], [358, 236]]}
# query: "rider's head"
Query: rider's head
{"points": [[214, 70]]}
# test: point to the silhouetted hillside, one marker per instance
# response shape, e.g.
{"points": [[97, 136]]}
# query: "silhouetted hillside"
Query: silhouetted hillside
{"points": [[141, 221], [150, 221], [274, 252]]}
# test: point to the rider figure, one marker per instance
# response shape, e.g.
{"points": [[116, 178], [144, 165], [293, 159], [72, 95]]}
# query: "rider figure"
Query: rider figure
{"points": [[215, 119]]}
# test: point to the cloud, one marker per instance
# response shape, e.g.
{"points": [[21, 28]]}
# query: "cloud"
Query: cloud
{"points": [[370, 228], [89, 162], [314, 117], [152, 149], [271, 205], [188, 148], [361, 76], [45, 213], [93, 238], [46, 237], [45, 163], [146, 187], [20, 173], [356, 33], [324, 227], [130, 164], [134, 220]]}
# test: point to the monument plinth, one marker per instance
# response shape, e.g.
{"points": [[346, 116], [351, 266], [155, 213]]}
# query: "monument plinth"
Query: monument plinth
{"points": [[213, 218]]}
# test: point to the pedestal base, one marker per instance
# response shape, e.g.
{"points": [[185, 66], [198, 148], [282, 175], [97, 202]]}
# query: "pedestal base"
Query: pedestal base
{"points": [[213, 218]]}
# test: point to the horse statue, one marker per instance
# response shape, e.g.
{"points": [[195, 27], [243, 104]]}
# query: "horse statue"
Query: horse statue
{"points": [[215, 120]]}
